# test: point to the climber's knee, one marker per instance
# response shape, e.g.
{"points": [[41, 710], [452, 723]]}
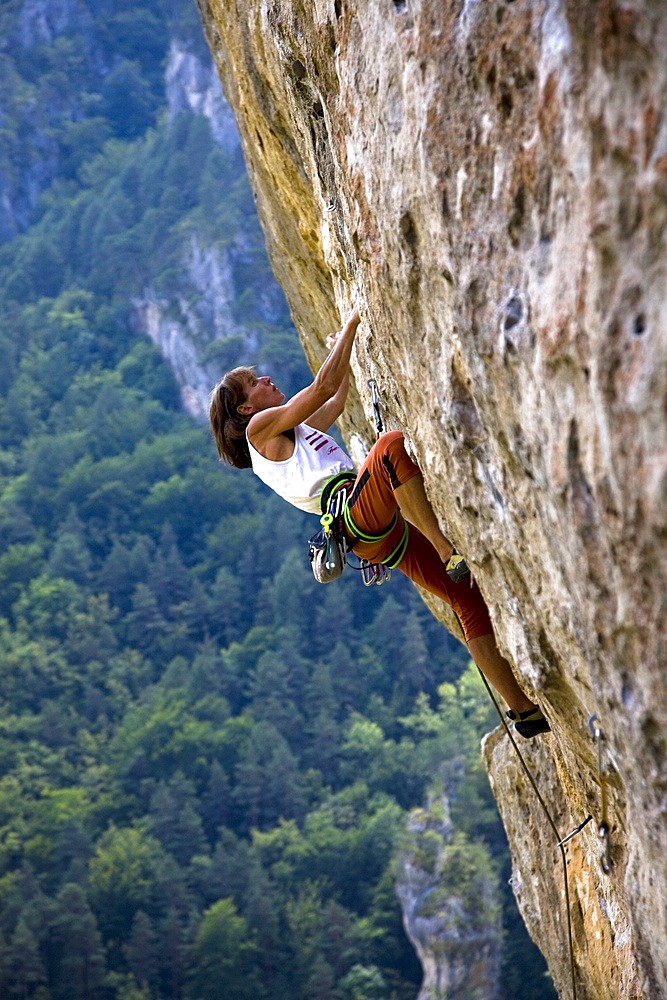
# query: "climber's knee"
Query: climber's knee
{"points": [[397, 464], [473, 613]]}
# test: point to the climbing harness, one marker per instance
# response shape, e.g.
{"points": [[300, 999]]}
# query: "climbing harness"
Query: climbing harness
{"points": [[328, 548], [560, 842], [606, 862]]}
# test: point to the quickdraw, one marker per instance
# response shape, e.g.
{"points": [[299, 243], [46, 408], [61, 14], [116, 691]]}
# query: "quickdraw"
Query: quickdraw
{"points": [[375, 400]]}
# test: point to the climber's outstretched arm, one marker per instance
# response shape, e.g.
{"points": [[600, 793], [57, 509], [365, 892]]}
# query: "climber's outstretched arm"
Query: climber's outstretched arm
{"points": [[332, 409], [329, 413], [327, 386]]}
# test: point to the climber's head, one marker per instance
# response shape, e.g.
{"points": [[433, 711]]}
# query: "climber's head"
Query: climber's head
{"points": [[236, 397], [227, 423]]}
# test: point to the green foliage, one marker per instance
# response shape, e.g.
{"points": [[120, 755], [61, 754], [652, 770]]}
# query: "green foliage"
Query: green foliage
{"points": [[224, 957]]}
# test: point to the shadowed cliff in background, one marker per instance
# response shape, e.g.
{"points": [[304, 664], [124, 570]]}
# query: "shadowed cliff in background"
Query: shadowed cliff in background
{"points": [[489, 180]]}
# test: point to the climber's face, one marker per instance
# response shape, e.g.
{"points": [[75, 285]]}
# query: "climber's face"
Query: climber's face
{"points": [[261, 394]]}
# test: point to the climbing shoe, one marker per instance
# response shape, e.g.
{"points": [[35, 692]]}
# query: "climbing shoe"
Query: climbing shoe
{"points": [[456, 568], [530, 723]]}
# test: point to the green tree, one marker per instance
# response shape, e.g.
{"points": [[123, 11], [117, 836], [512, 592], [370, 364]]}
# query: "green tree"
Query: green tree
{"points": [[363, 983], [272, 698], [229, 612], [172, 953], [224, 957], [231, 862], [414, 656], [25, 971], [216, 801], [168, 578], [47, 606], [81, 959], [127, 866], [262, 907], [128, 103], [141, 951], [267, 780], [146, 626], [70, 557], [19, 564], [333, 619], [322, 983], [175, 821]]}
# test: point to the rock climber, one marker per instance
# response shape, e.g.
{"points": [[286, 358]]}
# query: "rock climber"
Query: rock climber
{"points": [[286, 444]]}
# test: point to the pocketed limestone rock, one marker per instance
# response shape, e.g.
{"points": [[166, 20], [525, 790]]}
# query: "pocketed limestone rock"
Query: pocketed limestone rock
{"points": [[489, 182]]}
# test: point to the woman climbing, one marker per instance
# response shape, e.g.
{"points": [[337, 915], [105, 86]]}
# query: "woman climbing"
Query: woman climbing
{"points": [[286, 445]]}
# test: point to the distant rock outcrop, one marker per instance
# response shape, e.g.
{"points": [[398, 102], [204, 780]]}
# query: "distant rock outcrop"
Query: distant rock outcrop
{"points": [[194, 324], [451, 909], [193, 85], [490, 181], [184, 325]]}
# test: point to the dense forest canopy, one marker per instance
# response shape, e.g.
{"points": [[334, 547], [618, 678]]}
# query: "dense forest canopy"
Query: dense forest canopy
{"points": [[206, 760]]}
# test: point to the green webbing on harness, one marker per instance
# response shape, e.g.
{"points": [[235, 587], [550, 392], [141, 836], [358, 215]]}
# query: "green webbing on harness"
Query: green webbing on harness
{"points": [[361, 536], [394, 557], [330, 485], [397, 553]]}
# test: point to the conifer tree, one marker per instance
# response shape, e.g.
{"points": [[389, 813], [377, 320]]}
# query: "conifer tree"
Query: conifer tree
{"points": [[224, 957], [81, 955], [24, 968], [216, 801], [174, 819], [141, 950]]}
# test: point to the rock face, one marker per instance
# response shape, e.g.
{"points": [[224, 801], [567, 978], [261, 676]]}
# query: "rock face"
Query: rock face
{"points": [[182, 330], [489, 180]]}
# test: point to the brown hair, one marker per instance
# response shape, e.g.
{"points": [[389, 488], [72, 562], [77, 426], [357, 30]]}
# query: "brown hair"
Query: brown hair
{"points": [[227, 424]]}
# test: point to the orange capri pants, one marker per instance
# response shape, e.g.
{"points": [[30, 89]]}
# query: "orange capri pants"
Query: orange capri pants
{"points": [[372, 506]]}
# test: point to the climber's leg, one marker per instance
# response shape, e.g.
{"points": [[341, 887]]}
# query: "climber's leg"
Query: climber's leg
{"points": [[386, 469], [416, 508], [498, 672], [389, 475], [387, 479], [422, 565]]}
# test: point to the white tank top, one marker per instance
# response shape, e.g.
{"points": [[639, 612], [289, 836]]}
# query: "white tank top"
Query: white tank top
{"points": [[301, 478]]}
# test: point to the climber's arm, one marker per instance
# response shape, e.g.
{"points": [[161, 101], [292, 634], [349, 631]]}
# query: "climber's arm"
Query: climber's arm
{"points": [[329, 413], [327, 386]]}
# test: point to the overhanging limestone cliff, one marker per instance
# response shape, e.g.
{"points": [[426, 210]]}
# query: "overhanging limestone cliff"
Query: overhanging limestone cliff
{"points": [[489, 179]]}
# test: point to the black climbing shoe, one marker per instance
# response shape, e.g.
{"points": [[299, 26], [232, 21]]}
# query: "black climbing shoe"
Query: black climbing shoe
{"points": [[456, 568], [530, 723]]}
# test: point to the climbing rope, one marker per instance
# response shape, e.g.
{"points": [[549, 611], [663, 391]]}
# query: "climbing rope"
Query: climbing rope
{"points": [[559, 841]]}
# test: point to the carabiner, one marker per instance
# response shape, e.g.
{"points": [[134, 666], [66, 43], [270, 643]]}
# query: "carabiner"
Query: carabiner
{"points": [[326, 521]]}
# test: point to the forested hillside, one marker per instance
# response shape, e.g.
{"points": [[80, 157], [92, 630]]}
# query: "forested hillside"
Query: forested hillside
{"points": [[206, 759]]}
